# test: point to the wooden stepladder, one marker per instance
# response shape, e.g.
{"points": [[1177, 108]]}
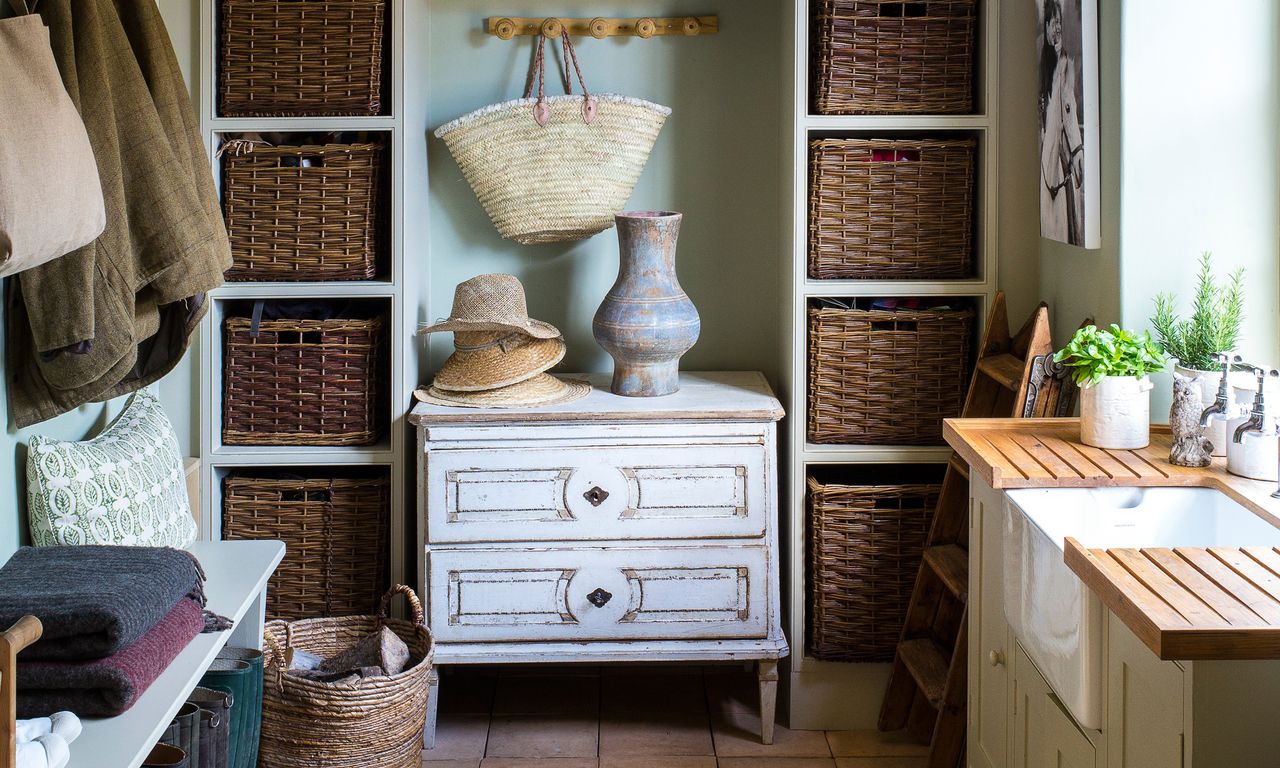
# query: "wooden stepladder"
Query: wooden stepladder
{"points": [[1014, 376]]}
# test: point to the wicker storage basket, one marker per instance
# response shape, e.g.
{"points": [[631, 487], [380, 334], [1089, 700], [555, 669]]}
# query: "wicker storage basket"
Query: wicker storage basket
{"points": [[865, 544], [891, 57], [335, 532], [376, 721], [293, 221], [886, 377], [300, 58], [881, 209], [303, 382]]}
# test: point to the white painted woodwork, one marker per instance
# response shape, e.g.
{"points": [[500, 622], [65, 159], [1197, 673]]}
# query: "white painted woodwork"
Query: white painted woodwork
{"points": [[668, 505], [1144, 703], [656, 593], [389, 290], [990, 660], [1065, 745], [601, 492], [831, 695], [1028, 696], [236, 587]]}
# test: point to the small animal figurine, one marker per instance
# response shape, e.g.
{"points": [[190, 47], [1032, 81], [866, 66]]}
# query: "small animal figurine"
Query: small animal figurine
{"points": [[1190, 448]]}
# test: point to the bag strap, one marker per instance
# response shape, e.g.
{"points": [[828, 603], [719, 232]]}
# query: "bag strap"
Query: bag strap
{"points": [[21, 8], [541, 111]]}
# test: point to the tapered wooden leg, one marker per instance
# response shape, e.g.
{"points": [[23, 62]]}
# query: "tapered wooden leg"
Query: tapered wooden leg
{"points": [[767, 671], [433, 709]]}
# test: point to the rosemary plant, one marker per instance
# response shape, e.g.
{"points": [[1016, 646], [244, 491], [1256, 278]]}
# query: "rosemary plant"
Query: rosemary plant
{"points": [[1214, 325]]}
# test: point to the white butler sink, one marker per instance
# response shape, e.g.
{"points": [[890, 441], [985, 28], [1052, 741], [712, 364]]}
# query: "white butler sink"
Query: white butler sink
{"points": [[1055, 616]]}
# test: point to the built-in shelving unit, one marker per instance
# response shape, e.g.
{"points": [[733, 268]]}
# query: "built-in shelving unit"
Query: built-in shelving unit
{"points": [[387, 289], [837, 695]]}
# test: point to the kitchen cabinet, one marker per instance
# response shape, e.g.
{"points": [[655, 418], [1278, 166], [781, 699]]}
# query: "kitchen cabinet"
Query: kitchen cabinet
{"points": [[989, 632], [1144, 723], [1044, 734]]}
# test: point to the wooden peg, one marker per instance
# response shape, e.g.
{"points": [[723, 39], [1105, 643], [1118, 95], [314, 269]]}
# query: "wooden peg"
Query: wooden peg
{"points": [[692, 26], [505, 29], [551, 29], [646, 27], [600, 27]]}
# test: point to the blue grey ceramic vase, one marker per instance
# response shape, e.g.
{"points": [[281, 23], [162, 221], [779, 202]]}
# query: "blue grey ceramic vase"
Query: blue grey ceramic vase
{"points": [[646, 321]]}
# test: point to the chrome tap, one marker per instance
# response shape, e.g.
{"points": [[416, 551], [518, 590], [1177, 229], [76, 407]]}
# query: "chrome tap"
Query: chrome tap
{"points": [[1257, 415], [1220, 403]]}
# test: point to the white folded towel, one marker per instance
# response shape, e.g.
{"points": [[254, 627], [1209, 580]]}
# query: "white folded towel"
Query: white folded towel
{"points": [[47, 751]]}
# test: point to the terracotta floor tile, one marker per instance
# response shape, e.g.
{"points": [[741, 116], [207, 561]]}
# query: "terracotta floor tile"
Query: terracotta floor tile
{"points": [[737, 734], [528, 762], [459, 737], [777, 762], [657, 761], [655, 733], [873, 743], [547, 695], [450, 763], [541, 736], [636, 694], [882, 762]]}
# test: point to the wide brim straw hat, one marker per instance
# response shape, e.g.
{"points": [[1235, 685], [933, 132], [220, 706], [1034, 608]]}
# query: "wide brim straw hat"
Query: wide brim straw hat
{"points": [[492, 303], [491, 359], [541, 390]]}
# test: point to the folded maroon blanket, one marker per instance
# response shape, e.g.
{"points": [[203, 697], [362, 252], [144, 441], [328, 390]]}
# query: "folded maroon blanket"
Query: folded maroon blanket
{"points": [[107, 687]]}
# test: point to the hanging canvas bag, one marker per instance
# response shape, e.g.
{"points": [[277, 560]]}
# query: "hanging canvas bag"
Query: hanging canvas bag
{"points": [[555, 169], [50, 196]]}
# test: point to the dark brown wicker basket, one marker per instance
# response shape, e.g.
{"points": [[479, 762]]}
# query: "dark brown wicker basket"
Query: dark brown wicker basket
{"points": [[865, 544], [881, 377], [893, 57], [336, 534], [300, 57], [304, 382], [882, 209], [302, 213]]}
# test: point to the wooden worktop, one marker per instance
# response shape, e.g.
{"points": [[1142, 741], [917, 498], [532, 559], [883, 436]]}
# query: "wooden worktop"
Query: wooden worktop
{"points": [[1185, 603]]}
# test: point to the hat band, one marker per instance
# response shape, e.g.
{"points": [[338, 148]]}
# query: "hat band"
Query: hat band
{"points": [[499, 342]]}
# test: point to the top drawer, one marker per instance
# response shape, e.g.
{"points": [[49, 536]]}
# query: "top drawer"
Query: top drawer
{"points": [[601, 492]]}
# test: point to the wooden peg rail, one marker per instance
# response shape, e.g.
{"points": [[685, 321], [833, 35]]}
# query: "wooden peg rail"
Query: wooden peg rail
{"points": [[507, 27]]}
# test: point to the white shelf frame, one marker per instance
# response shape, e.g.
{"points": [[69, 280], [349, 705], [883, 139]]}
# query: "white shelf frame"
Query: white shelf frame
{"points": [[832, 695], [388, 452]]}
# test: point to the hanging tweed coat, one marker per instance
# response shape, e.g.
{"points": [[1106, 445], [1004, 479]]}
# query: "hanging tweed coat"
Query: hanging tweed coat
{"points": [[117, 314]]}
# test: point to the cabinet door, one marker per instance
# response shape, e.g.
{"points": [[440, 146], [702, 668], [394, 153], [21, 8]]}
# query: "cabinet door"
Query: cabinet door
{"points": [[1030, 696], [989, 638], [1144, 703], [1065, 745]]}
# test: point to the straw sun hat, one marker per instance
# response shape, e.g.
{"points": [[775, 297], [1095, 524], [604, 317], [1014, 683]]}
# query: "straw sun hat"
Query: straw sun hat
{"points": [[501, 355]]}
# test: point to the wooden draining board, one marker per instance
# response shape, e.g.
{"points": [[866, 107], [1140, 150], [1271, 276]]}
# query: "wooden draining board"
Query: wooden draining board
{"points": [[1190, 603], [1047, 453]]}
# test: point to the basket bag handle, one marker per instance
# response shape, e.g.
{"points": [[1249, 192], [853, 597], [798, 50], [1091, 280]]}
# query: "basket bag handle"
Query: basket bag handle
{"points": [[541, 110], [415, 605]]}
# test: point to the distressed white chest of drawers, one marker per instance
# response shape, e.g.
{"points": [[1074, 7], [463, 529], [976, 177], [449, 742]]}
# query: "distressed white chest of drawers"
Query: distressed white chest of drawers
{"points": [[610, 529]]}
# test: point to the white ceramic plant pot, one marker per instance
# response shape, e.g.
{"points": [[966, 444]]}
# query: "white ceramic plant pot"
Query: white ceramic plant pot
{"points": [[1116, 412], [1255, 457], [1207, 382]]}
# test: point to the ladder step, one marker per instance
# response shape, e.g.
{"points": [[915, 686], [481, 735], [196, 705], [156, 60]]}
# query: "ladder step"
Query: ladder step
{"points": [[1005, 370], [928, 665], [951, 564], [959, 466]]}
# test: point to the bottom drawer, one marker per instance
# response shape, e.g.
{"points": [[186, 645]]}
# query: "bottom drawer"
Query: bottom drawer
{"points": [[598, 593]]}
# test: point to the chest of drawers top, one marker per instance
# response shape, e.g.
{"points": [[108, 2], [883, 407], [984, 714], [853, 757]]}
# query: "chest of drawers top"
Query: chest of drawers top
{"points": [[718, 397]]}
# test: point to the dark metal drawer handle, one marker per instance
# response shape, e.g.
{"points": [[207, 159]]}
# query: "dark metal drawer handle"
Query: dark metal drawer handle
{"points": [[599, 597], [596, 496]]}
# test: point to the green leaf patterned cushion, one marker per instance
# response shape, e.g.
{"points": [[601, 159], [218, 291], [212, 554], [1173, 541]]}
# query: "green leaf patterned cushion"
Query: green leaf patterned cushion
{"points": [[125, 486]]}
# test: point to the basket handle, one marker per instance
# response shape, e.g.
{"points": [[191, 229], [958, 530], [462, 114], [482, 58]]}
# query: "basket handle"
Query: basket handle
{"points": [[277, 656], [384, 610], [541, 111]]}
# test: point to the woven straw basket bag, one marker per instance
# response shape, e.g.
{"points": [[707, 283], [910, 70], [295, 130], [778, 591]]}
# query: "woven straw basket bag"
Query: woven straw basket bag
{"points": [[376, 721], [556, 169]]}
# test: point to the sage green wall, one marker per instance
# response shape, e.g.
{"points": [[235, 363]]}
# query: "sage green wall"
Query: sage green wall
{"points": [[716, 161]]}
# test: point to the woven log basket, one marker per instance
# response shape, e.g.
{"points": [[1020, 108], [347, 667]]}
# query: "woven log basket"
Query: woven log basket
{"points": [[865, 544], [894, 57], [376, 721], [880, 377], [289, 58]]}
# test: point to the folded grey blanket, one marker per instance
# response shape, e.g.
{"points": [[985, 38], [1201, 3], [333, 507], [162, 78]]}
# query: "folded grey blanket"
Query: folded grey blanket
{"points": [[94, 600]]}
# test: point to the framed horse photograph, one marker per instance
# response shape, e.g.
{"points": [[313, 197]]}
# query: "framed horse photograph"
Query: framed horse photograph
{"points": [[1069, 185]]}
